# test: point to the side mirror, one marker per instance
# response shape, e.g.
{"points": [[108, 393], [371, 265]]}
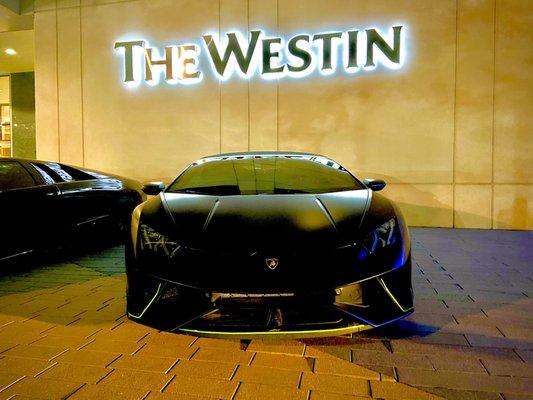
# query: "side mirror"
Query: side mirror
{"points": [[375, 184], [153, 188]]}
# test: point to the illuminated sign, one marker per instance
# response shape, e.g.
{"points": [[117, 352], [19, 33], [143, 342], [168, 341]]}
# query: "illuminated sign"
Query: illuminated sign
{"points": [[269, 57]]}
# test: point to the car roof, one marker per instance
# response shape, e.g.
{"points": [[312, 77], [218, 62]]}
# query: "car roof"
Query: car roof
{"points": [[97, 174], [262, 154], [269, 154], [27, 160]]}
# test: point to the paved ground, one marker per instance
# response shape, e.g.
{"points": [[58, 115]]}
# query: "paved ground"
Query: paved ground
{"points": [[63, 333]]}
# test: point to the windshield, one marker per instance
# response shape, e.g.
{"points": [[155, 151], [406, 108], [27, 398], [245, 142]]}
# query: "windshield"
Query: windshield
{"points": [[263, 175]]}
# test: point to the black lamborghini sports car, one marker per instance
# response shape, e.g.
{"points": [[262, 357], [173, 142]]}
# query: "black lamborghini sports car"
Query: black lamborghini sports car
{"points": [[268, 243], [45, 205]]}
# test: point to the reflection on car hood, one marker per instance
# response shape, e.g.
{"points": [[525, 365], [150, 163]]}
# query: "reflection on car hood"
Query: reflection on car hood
{"points": [[267, 221]]}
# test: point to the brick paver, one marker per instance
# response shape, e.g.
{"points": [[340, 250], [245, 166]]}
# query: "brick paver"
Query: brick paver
{"points": [[266, 375], [64, 334]]}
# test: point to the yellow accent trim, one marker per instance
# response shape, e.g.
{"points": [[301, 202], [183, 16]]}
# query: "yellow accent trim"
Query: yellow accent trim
{"points": [[279, 334], [148, 305], [382, 283]]}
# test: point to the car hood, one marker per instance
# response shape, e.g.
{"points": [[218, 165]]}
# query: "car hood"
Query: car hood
{"points": [[259, 222]]}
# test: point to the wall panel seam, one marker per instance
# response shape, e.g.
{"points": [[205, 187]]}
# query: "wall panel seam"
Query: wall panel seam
{"points": [[57, 87], [248, 33], [454, 161], [81, 95], [219, 92], [277, 83], [495, 21]]}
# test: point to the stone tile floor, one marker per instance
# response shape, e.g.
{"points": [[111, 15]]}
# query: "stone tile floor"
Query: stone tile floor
{"points": [[63, 334]]}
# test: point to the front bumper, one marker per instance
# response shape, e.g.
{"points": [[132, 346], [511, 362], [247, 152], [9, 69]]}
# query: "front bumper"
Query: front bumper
{"points": [[361, 305]]}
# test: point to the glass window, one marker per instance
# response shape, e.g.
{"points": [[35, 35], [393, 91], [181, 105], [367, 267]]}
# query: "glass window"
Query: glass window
{"points": [[264, 175], [14, 176], [61, 173], [46, 176], [76, 174], [59, 170]]}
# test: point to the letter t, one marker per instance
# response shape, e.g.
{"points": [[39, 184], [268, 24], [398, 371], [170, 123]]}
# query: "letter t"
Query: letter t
{"points": [[128, 57]]}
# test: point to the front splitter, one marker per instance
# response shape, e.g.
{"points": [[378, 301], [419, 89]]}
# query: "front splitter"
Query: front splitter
{"points": [[322, 321], [277, 334]]}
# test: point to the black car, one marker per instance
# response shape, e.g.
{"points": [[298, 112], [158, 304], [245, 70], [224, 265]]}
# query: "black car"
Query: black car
{"points": [[47, 204], [270, 243]]}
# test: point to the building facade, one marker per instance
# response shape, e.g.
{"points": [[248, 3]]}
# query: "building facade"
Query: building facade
{"points": [[443, 115]]}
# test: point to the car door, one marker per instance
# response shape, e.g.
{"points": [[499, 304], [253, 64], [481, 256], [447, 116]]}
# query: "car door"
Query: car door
{"points": [[28, 210], [86, 201], [89, 203]]}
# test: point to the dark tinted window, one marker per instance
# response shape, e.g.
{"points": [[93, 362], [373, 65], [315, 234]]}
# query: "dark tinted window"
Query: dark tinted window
{"points": [[70, 172], [61, 173], [14, 176], [264, 175], [45, 175]]}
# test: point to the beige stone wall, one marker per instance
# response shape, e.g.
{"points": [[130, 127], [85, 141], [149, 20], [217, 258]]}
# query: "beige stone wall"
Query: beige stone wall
{"points": [[450, 131]]}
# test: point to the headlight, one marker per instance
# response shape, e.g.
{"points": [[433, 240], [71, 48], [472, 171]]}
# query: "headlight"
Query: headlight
{"points": [[153, 241], [383, 236]]}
